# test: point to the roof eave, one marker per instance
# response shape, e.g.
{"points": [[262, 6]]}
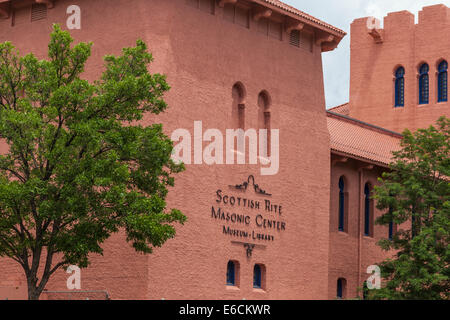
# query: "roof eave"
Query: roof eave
{"points": [[359, 158], [328, 36]]}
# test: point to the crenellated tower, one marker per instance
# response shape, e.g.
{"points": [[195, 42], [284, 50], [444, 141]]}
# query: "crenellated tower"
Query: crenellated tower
{"points": [[399, 72]]}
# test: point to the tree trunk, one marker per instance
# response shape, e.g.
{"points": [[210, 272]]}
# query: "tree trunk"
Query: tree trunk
{"points": [[33, 291]]}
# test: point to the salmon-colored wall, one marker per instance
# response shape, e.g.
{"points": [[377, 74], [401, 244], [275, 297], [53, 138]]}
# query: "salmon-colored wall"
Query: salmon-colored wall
{"points": [[351, 252], [203, 56], [404, 44]]}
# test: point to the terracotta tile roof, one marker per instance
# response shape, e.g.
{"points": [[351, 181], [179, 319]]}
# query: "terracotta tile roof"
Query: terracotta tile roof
{"points": [[288, 8], [361, 140], [342, 109]]}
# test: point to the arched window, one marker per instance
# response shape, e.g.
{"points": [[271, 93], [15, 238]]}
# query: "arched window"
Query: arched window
{"points": [[367, 211], [264, 109], [238, 93], [423, 84], [442, 81], [264, 120], [391, 230], [400, 87], [391, 226], [257, 276], [341, 204], [341, 284], [231, 273]]}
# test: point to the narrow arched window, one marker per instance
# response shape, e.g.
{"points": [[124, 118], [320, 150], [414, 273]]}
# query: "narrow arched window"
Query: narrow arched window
{"points": [[264, 109], [257, 276], [423, 84], [231, 273], [367, 211], [341, 284], [265, 120], [341, 204], [391, 230], [391, 226], [238, 93], [400, 87], [442, 81]]}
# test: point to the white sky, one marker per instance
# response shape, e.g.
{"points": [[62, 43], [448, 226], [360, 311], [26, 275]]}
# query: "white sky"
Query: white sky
{"points": [[341, 13]]}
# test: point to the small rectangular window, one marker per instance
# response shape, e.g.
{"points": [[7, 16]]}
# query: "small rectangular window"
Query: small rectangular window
{"points": [[294, 38], [38, 12]]}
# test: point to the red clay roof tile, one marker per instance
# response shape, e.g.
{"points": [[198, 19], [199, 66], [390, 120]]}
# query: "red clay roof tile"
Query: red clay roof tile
{"points": [[361, 140], [304, 15]]}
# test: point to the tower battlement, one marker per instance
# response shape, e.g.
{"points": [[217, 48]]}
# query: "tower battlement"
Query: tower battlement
{"points": [[377, 52]]}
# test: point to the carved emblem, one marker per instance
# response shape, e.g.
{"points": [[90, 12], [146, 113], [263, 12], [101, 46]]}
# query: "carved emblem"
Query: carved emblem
{"points": [[251, 181]]}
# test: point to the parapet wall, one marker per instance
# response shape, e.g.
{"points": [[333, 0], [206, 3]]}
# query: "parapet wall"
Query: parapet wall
{"points": [[377, 52]]}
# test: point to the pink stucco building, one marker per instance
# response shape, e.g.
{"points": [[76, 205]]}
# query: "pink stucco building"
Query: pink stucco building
{"points": [[250, 64]]}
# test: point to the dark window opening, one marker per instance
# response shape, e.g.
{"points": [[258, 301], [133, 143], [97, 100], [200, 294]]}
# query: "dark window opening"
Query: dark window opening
{"points": [[294, 38], [341, 286], [400, 87], [423, 84], [341, 204], [257, 276], [231, 273], [367, 211], [442, 81]]}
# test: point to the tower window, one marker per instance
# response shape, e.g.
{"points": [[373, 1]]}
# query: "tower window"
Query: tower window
{"points": [[442, 81], [400, 87], [423, 84]]}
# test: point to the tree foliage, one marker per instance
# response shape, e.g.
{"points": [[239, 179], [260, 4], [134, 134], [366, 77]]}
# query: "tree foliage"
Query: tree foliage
{"points": [[416, 197], [76, 165]]}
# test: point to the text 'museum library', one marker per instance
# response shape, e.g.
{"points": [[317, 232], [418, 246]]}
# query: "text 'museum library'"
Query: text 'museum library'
{"points": [[298, 220]]}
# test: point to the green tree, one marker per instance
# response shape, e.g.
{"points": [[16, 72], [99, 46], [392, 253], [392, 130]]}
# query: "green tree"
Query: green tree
{"points": [[76, 166], [416, 197]]}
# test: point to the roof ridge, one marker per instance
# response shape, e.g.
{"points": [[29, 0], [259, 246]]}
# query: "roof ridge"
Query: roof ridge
{"points": [[365, 124]]}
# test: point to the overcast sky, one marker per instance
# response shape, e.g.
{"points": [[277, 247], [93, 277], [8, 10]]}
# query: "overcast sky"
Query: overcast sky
{"points": [[341, 13]]}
